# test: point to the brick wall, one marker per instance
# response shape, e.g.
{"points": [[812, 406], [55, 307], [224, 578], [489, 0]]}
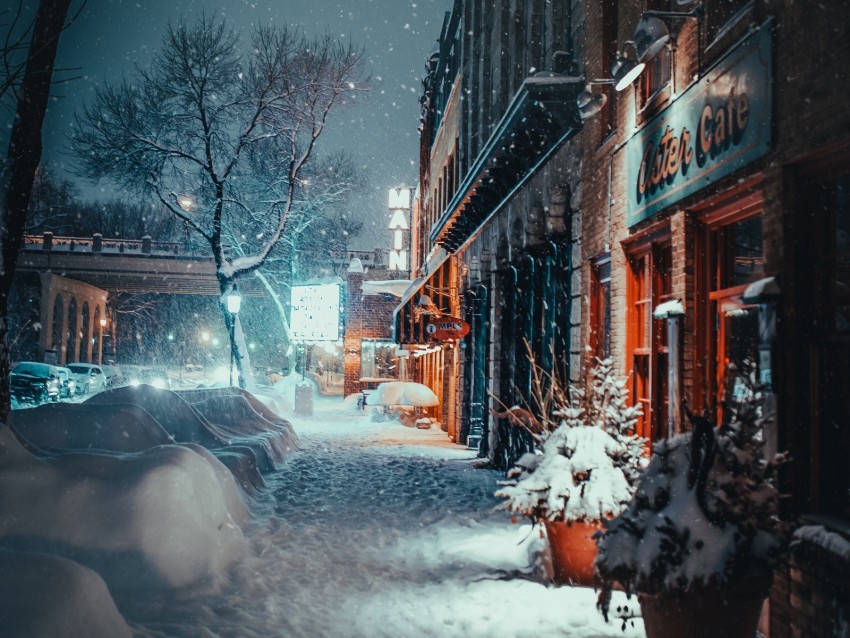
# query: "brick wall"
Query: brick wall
{"points": [[366, 317]]}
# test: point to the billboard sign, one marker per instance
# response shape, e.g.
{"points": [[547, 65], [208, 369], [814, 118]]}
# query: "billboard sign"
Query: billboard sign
{"points": [[315, 313]]}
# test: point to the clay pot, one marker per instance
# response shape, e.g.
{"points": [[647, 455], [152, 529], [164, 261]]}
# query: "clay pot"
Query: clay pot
{"points": [[573, 551], [731, 611]]}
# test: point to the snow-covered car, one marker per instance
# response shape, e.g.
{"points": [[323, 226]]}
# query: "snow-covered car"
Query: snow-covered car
{"points": [[157, 377], [34, 382], [68, 385], [89, 377], [114, 375]]}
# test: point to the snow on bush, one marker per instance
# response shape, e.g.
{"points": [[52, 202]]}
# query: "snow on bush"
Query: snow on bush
{"points": [[587, 467], [705, 511]]}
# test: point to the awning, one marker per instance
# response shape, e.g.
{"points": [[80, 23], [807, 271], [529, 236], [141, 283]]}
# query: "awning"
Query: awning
{"points": [[436, 259], [541, 117], [394, 287]]}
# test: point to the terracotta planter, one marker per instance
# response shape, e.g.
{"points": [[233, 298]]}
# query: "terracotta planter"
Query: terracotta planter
{"points": [[706, 612], [573, 551]]}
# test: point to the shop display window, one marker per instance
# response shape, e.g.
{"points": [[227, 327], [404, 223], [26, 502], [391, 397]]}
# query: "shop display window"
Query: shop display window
{"points": [[650, 283]]}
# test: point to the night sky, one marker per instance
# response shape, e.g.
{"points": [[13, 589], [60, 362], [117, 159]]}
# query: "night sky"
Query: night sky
{"points": [[111, 36]]}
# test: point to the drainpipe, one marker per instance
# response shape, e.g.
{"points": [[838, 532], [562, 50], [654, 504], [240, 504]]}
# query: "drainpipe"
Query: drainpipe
{"points": [[674, 313]]}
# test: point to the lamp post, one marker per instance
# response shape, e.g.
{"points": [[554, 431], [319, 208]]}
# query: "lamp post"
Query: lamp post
{"points": [[234, 303], [102, 323]]}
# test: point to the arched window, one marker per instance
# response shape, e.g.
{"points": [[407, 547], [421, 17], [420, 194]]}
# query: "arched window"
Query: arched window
{"points": [[72, 336], [84, 334], [56, 331]]}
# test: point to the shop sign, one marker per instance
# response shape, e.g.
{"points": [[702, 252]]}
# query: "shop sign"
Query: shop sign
{"points": [[445, 328], [719, 124]]}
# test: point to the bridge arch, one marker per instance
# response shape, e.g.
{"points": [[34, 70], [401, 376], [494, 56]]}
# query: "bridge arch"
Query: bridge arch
{"points": [[70, 315]]}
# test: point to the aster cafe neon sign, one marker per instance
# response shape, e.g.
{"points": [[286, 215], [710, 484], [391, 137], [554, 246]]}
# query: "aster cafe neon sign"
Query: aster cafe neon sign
{"points": [[719, 124]]}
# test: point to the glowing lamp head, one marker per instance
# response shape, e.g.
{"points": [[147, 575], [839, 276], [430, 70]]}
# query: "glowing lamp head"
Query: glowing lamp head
{"points": [[234, 301]]}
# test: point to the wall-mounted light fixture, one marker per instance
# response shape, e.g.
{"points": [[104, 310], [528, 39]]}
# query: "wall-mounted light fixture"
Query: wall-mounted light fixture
{"points": [[651, 35]]}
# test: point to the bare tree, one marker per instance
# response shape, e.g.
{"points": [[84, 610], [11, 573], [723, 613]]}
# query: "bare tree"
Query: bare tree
{"points": [[31, 88], [223, 140]]}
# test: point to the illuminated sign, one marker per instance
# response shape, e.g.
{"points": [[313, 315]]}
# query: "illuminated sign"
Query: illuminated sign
{"points": [[719, 124], [399, 198], [397, 258], [315, 313], [445, 328]]}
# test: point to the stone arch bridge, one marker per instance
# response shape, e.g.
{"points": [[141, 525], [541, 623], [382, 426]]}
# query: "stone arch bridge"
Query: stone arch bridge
{"points": [[77, 274]]}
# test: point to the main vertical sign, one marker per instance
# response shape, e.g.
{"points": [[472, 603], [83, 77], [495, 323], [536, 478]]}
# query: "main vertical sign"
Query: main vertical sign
{"points": [[399, 204]]}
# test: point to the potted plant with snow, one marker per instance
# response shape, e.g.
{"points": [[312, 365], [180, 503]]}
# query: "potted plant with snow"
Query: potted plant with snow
{"points": [[584, 469], [699, 540]]}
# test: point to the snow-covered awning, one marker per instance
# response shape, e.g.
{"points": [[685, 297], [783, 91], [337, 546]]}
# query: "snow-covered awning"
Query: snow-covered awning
{"points": [[394, 287], [541, 117]]}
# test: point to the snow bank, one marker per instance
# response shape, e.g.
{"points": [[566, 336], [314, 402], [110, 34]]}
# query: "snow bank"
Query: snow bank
{"points": [[187, 425], [44, 596], [159, 519], [72, 426], [403, 393]]}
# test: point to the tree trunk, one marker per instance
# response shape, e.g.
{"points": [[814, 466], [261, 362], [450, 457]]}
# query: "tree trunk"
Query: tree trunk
{"points": [[22, 159]]}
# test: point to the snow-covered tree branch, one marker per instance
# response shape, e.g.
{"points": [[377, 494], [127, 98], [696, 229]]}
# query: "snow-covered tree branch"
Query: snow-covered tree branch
{"points": [[224, 138]]}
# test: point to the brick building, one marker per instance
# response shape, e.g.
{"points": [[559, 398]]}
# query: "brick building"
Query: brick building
{"points": [[718, 178], [493, 226], [369, 351]]}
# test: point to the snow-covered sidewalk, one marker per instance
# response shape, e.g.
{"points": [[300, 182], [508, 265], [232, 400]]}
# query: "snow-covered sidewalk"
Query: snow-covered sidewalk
{"points": [[377, 529]]}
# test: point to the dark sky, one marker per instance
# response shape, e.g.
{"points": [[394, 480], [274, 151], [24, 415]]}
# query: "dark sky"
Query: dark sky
{"points": [[111, 36]]}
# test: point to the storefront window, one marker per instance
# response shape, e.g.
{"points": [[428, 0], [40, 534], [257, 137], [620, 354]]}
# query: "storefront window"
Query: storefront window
{"points": [[600, 308], [650, 284], [736, 259], [378, 359]]}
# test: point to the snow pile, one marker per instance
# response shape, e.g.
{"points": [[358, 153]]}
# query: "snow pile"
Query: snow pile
{"points": [[73, 426], [237, 427], [44, 596], [370, 530], [404, 393], [574, 479], [162, 518]]}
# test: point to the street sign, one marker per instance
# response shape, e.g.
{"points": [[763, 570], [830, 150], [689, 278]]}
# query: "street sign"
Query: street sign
{"points": [[445, 328]]}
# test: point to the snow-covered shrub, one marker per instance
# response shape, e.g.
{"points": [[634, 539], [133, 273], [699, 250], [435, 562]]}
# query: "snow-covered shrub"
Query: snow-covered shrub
{"points": [[705, 511], [587, 468]]}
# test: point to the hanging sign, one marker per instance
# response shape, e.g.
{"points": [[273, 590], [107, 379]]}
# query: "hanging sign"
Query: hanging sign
{"points": [[719, 124], [445, 328]]}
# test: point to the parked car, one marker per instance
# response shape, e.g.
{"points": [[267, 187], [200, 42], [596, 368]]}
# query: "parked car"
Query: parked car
{"points": [[89, 377], [157, 377], [35, 382], [68, 385], [114, 375]]}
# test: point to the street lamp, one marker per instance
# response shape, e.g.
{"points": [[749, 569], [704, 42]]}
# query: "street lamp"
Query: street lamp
{"points": [[102, 323], [234, 303]]}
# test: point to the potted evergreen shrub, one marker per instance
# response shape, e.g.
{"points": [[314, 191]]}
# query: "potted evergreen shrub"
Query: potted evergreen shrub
{"points": [[700, 539], [584, 469]]}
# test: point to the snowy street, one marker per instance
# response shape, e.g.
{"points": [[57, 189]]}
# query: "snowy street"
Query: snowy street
{"points": [[377, 529]]}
